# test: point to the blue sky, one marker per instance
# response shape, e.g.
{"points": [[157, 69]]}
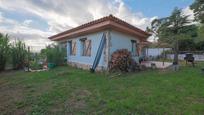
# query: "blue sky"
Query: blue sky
{"points": [[35, 20], [160, 8]]}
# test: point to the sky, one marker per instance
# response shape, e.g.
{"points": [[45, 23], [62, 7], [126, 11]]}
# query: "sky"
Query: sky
{"points": [[33, 21]]}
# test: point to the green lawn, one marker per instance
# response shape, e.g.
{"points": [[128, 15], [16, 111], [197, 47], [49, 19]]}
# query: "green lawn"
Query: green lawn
{"points": [[66, 90]]}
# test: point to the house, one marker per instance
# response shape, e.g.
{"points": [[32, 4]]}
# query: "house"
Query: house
{"points": [[91, 45]]}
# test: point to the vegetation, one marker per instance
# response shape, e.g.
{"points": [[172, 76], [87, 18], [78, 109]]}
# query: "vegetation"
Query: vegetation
{"points": [[4, 50], [200, 46], [190, 45], [34, 65], [15, 53], [54, 54], [169, 30], [186, 44], [19, 55], [201, 33], [66, 90], [198, 8]]}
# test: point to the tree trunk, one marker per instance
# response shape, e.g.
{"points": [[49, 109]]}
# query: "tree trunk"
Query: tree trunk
{"points": [[176, 53]]}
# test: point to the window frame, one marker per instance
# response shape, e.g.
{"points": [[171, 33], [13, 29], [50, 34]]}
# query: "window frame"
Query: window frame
{"points": [[134, 47], [71, 50], [85, 49]]}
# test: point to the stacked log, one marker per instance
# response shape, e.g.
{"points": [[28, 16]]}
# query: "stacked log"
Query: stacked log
{"points": [[121, 60]]}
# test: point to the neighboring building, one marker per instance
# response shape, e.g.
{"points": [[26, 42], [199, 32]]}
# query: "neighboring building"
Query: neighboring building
{"points": [[85, 42]]}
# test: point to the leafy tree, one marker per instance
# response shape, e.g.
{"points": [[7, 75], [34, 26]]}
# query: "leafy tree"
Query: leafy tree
{"points": [[198, 9], [200, 46], [4, 50], [200, 33], [186, 44], [155, 28], [170, 29], [19, 54]]}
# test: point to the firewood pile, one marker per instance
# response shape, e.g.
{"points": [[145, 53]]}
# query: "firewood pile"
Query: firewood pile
{"points": [[121, 60]]}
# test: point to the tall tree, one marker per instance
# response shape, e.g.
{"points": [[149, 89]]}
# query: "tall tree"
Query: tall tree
{"points": [[154, 29], [198, 9], [169, 30]]}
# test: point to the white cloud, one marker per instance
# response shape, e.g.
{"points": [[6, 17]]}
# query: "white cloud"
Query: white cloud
{"points": [[34, 38], [27, 22], [64, 14], [188, 12]]}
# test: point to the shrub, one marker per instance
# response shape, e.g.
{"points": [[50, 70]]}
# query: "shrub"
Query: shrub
{"points": [[35, 65], [4, 50], [54, 54], [200, 46], [186, 45], [19, 55], [121, 60]]}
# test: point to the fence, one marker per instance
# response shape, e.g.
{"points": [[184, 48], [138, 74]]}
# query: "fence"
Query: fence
{"points": [[197, 57]]}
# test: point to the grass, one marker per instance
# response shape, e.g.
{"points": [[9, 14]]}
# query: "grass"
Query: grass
{"points": [[66, 90]]}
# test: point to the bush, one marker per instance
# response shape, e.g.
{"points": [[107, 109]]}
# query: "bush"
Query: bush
{"points": [[121, 60], [4, 50], [186, 45], [34, 65], [200, 46], [54, 54], [19, 55]]}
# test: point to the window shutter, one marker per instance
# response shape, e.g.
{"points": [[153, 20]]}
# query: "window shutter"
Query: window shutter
{"points": [[74, 48], [88, 48]]}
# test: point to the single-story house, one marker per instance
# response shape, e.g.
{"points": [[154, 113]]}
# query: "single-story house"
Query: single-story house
{"points": [[91, 45]]}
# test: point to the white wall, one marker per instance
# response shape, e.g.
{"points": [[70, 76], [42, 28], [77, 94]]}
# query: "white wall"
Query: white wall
{"points": [[197, 57], [155, 51]]}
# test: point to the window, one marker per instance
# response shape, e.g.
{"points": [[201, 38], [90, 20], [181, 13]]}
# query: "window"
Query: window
{"points": [[85, 47], [134, 46], [72, 47]]}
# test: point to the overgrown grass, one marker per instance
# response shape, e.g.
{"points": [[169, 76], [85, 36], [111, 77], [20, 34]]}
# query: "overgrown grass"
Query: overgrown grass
{"points": [[66, 90]]}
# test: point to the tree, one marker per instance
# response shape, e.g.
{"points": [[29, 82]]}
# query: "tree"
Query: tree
{"points": [[154, 29], [186, 44], [169, 30], [198, 9], [4, 50], [200, 33]]}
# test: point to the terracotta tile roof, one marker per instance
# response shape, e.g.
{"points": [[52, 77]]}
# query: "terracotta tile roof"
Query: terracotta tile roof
{"points": [[108, 22]]}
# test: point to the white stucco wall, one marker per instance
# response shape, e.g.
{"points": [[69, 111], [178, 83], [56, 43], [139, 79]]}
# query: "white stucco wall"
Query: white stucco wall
{"points": [[95, 41]]}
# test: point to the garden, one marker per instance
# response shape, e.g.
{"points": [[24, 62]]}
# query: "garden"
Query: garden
{"points": [[42, 83], [67, 90]]}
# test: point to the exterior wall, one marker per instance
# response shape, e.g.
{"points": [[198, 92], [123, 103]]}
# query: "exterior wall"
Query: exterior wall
{"points": [[122, 41], [86, 62], [197, 57], [154, 52], [117, 41]]}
